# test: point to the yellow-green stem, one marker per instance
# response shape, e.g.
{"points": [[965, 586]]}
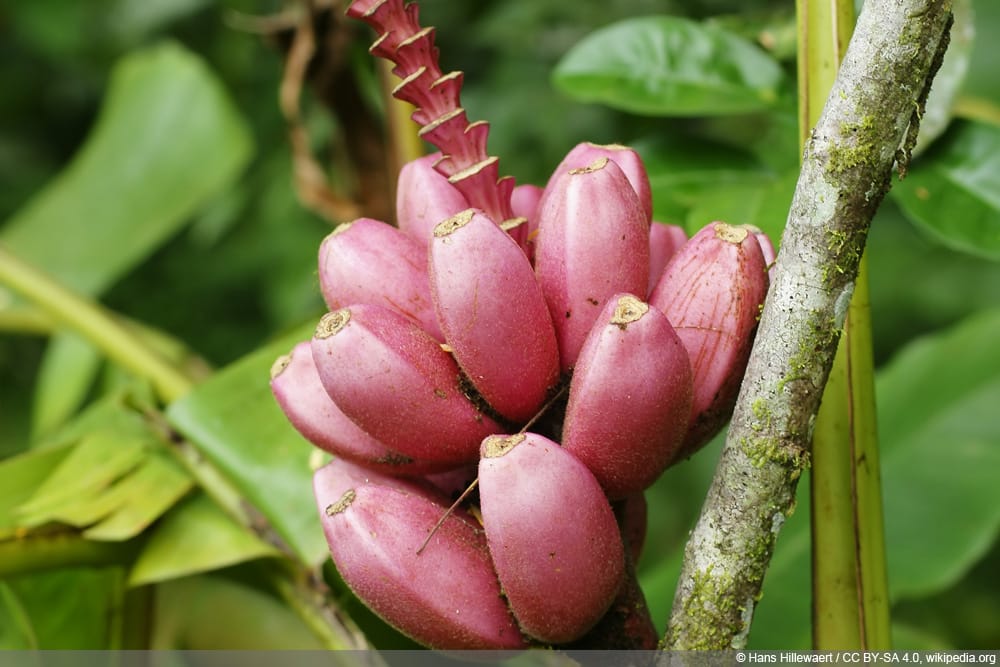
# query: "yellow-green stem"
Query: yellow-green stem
{"points": [[850, 590], [94, 323]]}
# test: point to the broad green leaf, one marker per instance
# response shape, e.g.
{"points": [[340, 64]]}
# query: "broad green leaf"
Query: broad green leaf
{"points": [[92, 466], [20, 477], [195, 536], [188, 613], [684, 172], [670, 66], [133, 503], [953, 191], [66, 376], [70, 609], [764, 205], [937, 421], [15, 626], [235, 422], [167, 139]]}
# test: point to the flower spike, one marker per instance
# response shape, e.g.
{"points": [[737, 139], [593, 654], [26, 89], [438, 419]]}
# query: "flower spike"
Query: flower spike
{"points": [[465, 161]]}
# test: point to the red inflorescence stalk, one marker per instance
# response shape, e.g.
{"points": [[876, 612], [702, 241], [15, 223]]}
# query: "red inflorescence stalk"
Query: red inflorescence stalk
{"points": [[439, 112]]}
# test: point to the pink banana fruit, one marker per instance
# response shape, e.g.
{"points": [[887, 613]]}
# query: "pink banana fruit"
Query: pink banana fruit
{"points": [[630, 397], [524, 201], [712, 292], [627, 158], [664, 242], [397, 384], [424, 198], [445, 597], [593, 242], [552, 535], [493, 314], [367, 261], [296, 385]]}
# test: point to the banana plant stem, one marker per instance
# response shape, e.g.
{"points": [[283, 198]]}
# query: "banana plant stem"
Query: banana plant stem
{"points": [[850, 591]]}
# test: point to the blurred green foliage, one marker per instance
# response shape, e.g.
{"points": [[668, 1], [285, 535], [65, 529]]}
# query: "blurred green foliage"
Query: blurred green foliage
{"points": [[231, 268]]}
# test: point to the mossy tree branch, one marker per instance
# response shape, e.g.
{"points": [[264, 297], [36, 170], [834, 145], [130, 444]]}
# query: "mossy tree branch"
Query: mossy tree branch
{"points": [[872, 111]]}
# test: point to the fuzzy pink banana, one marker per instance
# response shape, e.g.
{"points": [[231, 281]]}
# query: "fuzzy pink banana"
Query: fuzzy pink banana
{"points": [[627, 158], [493, 314], [712, 292], [424, 198], [396, 383], [664, 242], [296, 385], [367, 261], [524, 200], [633, 513], [766, 247], [593, 242], [552, 535], [630, 397], [445, 597]]}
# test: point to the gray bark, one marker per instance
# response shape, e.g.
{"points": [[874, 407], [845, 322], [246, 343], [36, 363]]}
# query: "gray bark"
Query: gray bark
{"points": [[868, 125]]}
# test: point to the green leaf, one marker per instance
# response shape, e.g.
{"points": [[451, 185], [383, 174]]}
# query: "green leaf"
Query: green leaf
{"points": [[69, 609], [167, 139], [20, 477], [93, 465], [188, 612], [15, 627], [670, 66], [764, 205], [235, 422], [67, 373], [937, 422], [953, 191], [684, 172], [196, 536], [133, 503]]}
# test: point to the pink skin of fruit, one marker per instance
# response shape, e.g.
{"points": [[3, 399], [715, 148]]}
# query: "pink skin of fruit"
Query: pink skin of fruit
{"points": [[447, 596], [593, 242], [630, 397], [712, 292], [340, 475], [553, 537], [493, 314], [766, 247], [424, 198], [524, 200], [396, 383], [627, 158], [296, 385], [664, 242], [633, 518], [367, 261]]}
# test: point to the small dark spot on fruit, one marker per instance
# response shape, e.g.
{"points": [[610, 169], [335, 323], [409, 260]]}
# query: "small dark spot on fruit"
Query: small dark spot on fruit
{"points": [[592, 301], [568, 314]]}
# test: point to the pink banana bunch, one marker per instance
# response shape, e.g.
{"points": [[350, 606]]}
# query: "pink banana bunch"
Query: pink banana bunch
{"points": [[555, 344]]}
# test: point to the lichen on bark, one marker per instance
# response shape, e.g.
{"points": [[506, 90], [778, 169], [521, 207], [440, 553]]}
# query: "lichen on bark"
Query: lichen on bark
{"points": [[846, 171]]}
